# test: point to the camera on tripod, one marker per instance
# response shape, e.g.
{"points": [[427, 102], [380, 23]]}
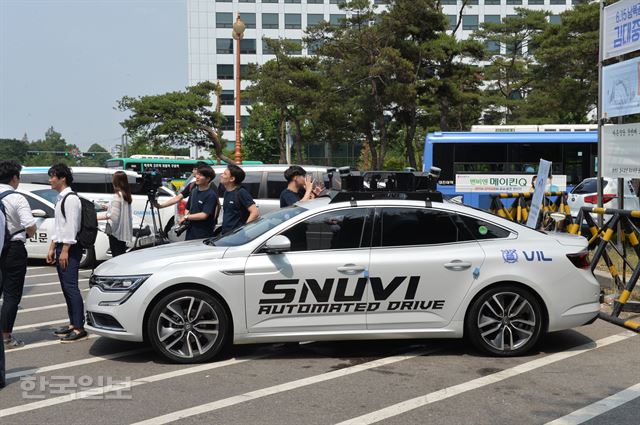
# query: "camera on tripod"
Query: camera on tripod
{"points": [[179, 229], [151, 182]]}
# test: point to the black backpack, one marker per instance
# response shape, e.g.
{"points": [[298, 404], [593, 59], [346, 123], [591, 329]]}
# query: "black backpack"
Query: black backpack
{"points": [[88, 233], [7, 235]]}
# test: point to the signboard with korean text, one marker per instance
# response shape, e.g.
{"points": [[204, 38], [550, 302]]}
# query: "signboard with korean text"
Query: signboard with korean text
{"points": [[621, 89], [621, 151], [506, 183], [621, 28]]}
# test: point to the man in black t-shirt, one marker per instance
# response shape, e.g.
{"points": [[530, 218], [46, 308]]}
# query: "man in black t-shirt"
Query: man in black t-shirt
{"points": [[203, 206], [238, 207], [186, 189], [297, 181]]}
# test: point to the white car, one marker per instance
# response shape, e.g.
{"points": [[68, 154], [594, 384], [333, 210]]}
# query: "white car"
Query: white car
{"points": [[585, 194], [349, 269], [42, 201]]}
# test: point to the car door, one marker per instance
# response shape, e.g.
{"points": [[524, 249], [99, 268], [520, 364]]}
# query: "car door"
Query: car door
{"points": [[320, 283], [422, 265], [38, 245]]}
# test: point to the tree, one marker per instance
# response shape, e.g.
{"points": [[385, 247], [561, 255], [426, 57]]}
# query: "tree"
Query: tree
{"points": [[180, 118], [13, 149], [260, 138], [53, 148], [96, 156], [510, 75]]}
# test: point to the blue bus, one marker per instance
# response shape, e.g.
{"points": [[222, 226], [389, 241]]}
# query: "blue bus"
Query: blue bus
{"points": [[514, 150]]}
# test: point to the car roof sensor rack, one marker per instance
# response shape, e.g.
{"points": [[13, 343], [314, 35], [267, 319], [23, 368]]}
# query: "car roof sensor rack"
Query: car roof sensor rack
{"points": [[352, 185]]}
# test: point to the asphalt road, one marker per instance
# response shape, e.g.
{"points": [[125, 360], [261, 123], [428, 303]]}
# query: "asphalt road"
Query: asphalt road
{"points": [[588, 375]]}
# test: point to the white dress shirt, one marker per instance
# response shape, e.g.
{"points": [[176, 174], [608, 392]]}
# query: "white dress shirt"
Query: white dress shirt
{"points": [[18, 213], [66, 230]]}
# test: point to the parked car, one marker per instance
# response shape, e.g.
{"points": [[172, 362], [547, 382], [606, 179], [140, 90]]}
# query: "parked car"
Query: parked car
{"points": [[585, 194], [94, 183], [42, 201], [349, 268]]}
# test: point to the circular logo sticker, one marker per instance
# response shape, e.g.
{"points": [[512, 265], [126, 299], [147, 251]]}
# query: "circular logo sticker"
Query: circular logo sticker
{"points": [[483, 230]]}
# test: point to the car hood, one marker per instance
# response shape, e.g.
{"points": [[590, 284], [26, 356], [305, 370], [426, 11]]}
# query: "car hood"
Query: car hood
{"points": [[152, 260]]}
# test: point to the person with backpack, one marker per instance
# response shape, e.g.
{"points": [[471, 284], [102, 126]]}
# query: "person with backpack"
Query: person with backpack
{"points": [[19, 225], [65, 251], [120, 228], [238, 207], [3, 380]]}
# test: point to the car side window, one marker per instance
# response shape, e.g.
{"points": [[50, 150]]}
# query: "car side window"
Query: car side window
{"points": [[251, 182], [34, 204], [481, 229], [420, 226], [342, 229], [276, 183], [90, 183]]}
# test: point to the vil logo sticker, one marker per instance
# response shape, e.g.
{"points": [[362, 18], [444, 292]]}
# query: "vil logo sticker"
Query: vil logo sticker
{"points": [[536, 255], [510, 256]]}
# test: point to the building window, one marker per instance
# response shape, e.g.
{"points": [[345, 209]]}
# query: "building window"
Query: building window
{"points": [[247, 1], [492, 19], [270, 21], [453, 20], [227, 97], [224, 46], [249, 19], [266, 50], [225, 72], [315, 1], [269, 1], [381, 1], [224, 20], [248, 46], [536, 2], [491, 2], [229, 123], [223, 1], [470, 22], [292, 1], [337, 1], [562, 2], [314, 19], [449, 2], [244, 120], [555, 19], [336, 19], [493, 47], [313, 46], [514, 2], [293, 21], [296, 50], [244, 69], [472, 2]]}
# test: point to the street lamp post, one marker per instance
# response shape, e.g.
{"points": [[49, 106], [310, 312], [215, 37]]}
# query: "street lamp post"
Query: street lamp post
{"points": [[238, 33]]}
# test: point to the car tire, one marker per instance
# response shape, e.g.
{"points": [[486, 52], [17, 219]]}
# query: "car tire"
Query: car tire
{"points": [[88, 258], [505, 321], [188, 326]]}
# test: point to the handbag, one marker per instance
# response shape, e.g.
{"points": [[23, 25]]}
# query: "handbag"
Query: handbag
{"points": [[107, 228]]}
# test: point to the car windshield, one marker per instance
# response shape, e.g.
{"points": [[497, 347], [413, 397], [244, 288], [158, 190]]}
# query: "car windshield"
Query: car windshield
{"points": [[249, 232], [48, 194]]}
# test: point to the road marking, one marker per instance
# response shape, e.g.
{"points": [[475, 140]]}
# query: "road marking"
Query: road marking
{"points": [[414, 403], [287, 386], [41, 344], [120, 386], [39, 267], [75, 363], [49, 293], [47, 274], [41, 324], [45, 307], [599, 407], [35, 285]]}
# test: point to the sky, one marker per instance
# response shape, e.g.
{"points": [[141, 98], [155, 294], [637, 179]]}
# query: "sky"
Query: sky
{"points": [[65, 63]]}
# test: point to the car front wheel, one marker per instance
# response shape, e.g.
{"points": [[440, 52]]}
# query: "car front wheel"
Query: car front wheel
{"points": [[188, 326], [505, 321]]}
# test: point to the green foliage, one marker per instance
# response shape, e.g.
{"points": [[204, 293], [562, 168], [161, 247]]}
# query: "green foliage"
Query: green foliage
{"points": [[260, 138]]}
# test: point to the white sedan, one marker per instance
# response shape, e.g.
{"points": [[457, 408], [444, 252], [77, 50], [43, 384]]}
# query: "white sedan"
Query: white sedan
{"points": [[42, 200]]}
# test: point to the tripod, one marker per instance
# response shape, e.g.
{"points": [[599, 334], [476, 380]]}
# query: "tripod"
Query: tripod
{"points": [[159, 237]]}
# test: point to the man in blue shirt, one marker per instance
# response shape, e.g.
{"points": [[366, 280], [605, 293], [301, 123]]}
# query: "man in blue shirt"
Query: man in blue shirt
{"points": [[238, 207], [297, 180], [203, 206]]}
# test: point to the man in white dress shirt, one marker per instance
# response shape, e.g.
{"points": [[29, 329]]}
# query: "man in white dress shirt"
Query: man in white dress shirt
{"points": [[65, 252], [20, 225], [2, 367]]}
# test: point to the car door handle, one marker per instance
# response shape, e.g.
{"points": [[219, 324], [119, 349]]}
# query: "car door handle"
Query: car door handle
{"points": [[350, 269], [457, 265]]}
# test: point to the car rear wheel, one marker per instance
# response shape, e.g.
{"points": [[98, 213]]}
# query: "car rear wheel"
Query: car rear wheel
{"points": [[188, 326], [505, 321]]}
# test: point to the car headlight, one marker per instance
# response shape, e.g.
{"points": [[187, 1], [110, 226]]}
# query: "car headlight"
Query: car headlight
{"points": [[117, 283]]}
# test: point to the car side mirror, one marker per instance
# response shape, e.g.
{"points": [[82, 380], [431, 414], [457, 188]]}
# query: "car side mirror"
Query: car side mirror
{"points": [[39, 213], [277, 245]]}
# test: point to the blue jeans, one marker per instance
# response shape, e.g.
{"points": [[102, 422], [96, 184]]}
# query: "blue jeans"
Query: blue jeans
{"points": [[69, 282]]}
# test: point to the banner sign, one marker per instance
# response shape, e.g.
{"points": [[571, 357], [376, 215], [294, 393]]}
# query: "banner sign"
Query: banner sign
{"points": [[620, 88], [538, 194], [621, 28], [507, 183], [621, 151]]}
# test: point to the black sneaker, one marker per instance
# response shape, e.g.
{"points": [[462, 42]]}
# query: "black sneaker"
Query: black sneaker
{"points": [[74, 337], [63, 331]]}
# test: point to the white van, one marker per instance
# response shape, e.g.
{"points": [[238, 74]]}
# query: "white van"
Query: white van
{"points": [[94, 183]]}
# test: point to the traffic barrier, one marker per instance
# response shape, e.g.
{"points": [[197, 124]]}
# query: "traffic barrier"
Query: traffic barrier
{"points": [[600, 239], [518, 211]]}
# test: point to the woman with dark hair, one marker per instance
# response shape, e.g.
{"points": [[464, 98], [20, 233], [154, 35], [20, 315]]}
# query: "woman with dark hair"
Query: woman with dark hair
{"points": [[120, 228]]}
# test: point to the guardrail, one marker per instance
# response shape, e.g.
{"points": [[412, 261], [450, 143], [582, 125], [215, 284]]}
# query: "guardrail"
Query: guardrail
{"points": [[518, 211], [600, 239]]}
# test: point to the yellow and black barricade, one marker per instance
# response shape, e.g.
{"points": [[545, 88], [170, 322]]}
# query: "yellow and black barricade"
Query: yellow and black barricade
{"points": [[518, 210]]}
